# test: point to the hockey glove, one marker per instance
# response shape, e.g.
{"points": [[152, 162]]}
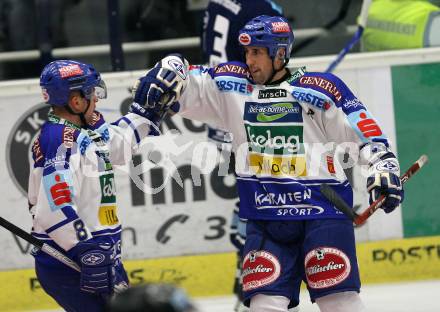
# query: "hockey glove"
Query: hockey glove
{"points": [[163, 84], [384, 180], [97, 261]]}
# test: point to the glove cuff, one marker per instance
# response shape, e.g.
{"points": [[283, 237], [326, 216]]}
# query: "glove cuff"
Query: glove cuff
{"points": [[93, 252], [380, 159]]}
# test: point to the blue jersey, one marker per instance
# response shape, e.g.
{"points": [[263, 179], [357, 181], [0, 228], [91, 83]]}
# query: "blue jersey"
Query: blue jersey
{"points": [[222, 22]]}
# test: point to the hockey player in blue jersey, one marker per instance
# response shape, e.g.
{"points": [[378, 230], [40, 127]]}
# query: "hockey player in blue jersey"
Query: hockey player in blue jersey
{"points": [[287, 127], [222, 22], [72, 191]]}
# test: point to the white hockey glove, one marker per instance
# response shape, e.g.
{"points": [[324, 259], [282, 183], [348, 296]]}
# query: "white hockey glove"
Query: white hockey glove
{"points": [[163, 84], [384, 179]]}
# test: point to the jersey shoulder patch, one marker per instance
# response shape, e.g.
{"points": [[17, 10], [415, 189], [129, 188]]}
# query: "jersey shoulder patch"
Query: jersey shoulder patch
{"points": [[54, 135], [232, 69], [233, 77], [54, 146], [326, 83]]}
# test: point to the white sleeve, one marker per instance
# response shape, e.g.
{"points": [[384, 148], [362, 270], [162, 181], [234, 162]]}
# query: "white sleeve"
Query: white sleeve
{"points": [[125, 136], [201, 99], [53, 193]]}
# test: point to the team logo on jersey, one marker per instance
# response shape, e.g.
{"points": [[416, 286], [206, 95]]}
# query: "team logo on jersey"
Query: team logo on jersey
{"points": [[107, 215], [20, 142], [275, 136], [326, 267], [323, 84], [83, 143], [57, 163], [277, 139], [68, 137], [273, 112], [36, 149], [232, 84], [108, 187], [260, 268], [57, 187], [272, 93], [312, 97], [231, 69], [296, 75], [244, 39], [264, 164], [364, 125], [294, 202], [352, 105]]}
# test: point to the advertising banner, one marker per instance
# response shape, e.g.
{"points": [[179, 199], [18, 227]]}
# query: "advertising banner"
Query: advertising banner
{"points": [[177, 195]]}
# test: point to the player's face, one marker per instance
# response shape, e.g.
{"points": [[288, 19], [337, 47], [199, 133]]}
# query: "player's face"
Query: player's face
{"points": [[89, 113], [259, 63]]}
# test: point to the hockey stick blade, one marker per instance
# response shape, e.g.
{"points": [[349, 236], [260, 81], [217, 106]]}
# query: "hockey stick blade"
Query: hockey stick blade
{"points": [[360, 219], [39, 244]]}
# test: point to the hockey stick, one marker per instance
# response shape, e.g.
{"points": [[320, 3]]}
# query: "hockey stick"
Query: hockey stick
{"points": [[339, 17], [361, 25], [39, 244], [360, 219]]}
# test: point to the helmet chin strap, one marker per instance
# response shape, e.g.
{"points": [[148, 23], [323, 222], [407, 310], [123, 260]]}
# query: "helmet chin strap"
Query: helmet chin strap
{"points": [[274, 71]]}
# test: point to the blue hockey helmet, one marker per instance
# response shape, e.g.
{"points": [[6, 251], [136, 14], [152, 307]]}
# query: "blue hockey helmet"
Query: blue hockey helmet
{"points": [[61, 77], [272, 32]]}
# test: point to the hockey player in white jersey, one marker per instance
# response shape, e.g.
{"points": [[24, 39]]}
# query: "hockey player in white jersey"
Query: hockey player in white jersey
{"points": [[286, 129], [221, 24], [72, 191]]}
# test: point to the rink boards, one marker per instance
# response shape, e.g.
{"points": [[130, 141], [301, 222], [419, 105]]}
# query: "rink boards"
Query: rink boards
{"points": [[165, 221], [212, 275]]}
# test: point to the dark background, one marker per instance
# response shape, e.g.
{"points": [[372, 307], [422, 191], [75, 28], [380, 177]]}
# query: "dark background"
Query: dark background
{"points": [[84, 22]]}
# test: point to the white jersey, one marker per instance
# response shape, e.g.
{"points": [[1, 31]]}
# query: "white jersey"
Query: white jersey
{"points": [[72, 192], [284, 136]]}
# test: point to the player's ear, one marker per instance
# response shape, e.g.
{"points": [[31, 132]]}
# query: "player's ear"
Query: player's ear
{"points": [[279, 58], [281, 53], [75, 100]]}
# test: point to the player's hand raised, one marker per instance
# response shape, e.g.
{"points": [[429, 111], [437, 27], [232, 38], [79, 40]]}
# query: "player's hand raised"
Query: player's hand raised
{"points": [[163, 84]]}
